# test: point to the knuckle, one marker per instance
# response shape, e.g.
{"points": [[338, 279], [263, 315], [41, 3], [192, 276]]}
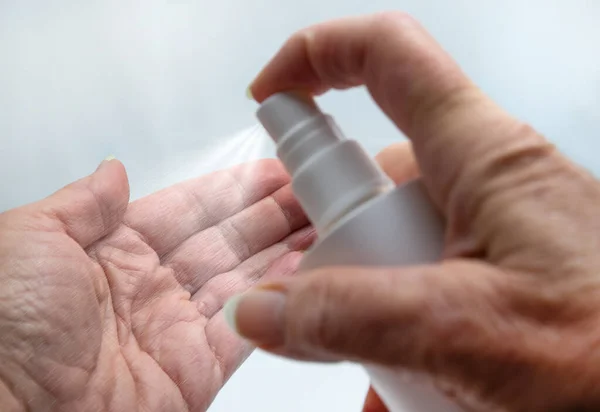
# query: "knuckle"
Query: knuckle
{"points": [[564, 302], [523, 165], [524, 149], [506, 169], [429, 82], [391, 22], [318, 326], [389, 26], [301, 36], [104, 212], [335, 321]]}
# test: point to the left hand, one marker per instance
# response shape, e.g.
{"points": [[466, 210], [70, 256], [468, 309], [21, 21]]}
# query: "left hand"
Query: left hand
{"points": [[106, 305]]}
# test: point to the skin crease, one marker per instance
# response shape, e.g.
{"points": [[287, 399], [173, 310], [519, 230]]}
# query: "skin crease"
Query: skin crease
{"points": [[508, 320], [110, 306]]}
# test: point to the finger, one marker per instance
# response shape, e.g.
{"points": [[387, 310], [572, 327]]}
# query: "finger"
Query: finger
{"points": [[373, 402], [169, 217], [460, 137], [333, 311], [398, 162], [92, 207], [228, 346], [272, 264], [452, 320], [229, 243]]}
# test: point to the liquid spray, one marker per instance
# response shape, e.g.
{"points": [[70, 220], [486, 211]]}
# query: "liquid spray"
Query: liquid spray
{"points": [[360, 216]]}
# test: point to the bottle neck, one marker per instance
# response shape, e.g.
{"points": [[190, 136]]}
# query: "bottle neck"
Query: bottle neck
{"points": [[331, 175]]}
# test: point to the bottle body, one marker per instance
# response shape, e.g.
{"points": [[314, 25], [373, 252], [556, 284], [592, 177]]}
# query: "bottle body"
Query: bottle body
{"points": [[361, 217], [400, 227]]}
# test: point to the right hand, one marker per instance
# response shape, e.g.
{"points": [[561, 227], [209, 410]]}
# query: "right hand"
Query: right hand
{"points": [[511, 314]]}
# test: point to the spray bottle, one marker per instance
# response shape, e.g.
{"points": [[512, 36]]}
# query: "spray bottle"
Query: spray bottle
{"points": [[360, 216]]}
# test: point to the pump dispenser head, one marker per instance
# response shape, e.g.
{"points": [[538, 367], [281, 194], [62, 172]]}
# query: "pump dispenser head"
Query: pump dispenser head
{"points": [[298, 127], [282, 112], [331, 175]]}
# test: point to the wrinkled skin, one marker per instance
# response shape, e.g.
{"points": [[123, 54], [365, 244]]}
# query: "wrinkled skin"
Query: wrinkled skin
{"points": [[510, 319], [110, 306]]}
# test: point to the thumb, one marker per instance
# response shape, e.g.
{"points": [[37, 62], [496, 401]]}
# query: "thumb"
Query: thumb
{"points": [[89, 208], [416, 317]]}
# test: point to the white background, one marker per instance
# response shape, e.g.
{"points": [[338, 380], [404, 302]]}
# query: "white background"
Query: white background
{"points": [[159, 83]]}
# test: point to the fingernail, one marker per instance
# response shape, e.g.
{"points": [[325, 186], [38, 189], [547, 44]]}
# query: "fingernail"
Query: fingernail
{"points": [[257, 315], [105, 161], [249, 93], [229, 311]]}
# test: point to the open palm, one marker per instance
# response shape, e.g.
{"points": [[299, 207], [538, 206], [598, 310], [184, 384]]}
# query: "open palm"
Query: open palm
{"points": [[106, 305]]}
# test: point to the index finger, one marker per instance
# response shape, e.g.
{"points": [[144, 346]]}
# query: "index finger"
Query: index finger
{"points": [[452, 124]]}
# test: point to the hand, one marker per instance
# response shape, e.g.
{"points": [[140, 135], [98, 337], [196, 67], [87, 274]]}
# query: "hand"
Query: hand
{"points": [[510, 317], [110, 306]]}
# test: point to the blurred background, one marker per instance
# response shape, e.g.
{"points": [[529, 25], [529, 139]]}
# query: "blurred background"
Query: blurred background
{"points": [[161, 84]]}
